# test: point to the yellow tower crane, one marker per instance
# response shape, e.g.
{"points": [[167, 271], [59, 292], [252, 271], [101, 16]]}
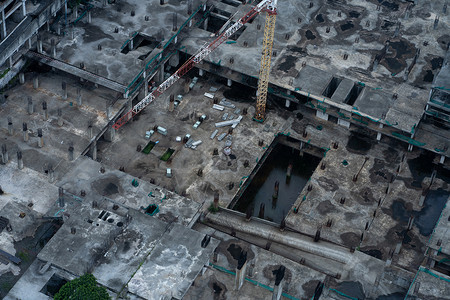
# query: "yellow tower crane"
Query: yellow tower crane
{"points": [[264, 71]]}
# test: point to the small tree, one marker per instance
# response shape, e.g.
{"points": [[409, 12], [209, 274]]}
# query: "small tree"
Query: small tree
{"points": [[82, 288]]}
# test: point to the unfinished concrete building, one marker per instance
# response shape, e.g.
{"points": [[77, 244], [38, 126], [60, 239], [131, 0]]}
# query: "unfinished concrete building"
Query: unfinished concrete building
{"points": [[129, 148]]}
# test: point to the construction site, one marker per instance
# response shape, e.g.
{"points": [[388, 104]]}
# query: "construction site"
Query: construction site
{"points": [[226, 149]]}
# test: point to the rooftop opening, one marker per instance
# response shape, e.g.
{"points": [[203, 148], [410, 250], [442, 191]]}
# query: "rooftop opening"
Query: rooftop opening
{"points": [[353, 95], [53, 285], [231, 2], [332, 87], [215, 23]]}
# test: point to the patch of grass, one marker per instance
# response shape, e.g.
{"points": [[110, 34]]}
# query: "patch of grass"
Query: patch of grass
{"points": [[149, 147], [213, 209], [25, 257], [167, 154], [3, 74]]}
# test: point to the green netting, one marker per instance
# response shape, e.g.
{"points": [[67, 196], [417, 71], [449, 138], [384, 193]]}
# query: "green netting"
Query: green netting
{"points": [[408, 139]]}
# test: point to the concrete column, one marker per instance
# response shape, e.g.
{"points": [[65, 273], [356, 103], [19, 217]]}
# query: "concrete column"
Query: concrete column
{"points": [[110, 134], [21, 78], [89, 17], [19, 160], [344, 123], [24, 9], [61, 197], [205, 24], [5, 156], [30, 106], [288, 103], [79, 97], [277, 291], [241, 270], [378, 136], [39, 46], [75, 12], [90, 131], [229, 82], [322, 115], [94, 150], [40, 138], [161, 73], [200, 72], [60, 119], [10, 62], [441, 161], [410, 147], [53, 46], [71, 156], [36, 82], [10, 126], [25, 132], [3, 30], [171, 103], [108, 112], [44, 110], [64, 89]]}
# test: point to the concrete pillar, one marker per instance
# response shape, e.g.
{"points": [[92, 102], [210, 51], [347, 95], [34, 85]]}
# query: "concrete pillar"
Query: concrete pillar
{"points": [[108, 112], [441, 161], [25, 132], [10, 62], [10, 126], [161, 73], [322, 115], [60, 119], [39, 45], [3, 30], [398, 247], [45, 110], [61, 197], [19, 160], [90, 131], [205, 24], [36, 82], [378, 136], [5, 156], [229, 82], [241, 270], [277, 291], [71, 156], [21, 78], [30, 106], [410, 147], [171, 103], [53, 47], [288, 103], [110, 134], [89, 17], [75, 12], [40, 138], [64, 89], [275, 190], [94, 150], [79, 97], [200, 72], [344, 123]]}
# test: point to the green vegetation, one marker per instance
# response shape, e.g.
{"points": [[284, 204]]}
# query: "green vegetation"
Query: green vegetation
{"points": [[213, 209], [25, 257], [167, 154], [4, 73], [84, 287], [149, 147]]}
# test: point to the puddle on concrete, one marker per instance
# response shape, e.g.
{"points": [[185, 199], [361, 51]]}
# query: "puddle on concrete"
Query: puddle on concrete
{"points": [[110, 189], [374, 253], [347, 26], [389, 5], [354, 14], [358, 143], [27, 250], [289, 62], [309, 35], [421, 167], [434, 204], [261, 189], [319, 18], [352, 288], [235, 251], [427, 217]]}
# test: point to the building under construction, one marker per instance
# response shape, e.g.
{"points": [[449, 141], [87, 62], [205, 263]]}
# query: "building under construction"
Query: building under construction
{"points": [[226, 149]]}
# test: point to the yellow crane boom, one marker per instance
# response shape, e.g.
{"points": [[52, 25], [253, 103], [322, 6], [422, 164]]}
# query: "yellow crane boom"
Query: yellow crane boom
{"points": [[263, 82]]}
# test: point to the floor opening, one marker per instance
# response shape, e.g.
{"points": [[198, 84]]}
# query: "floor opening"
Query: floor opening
{"points": [[353, 95], [261, 197]]}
